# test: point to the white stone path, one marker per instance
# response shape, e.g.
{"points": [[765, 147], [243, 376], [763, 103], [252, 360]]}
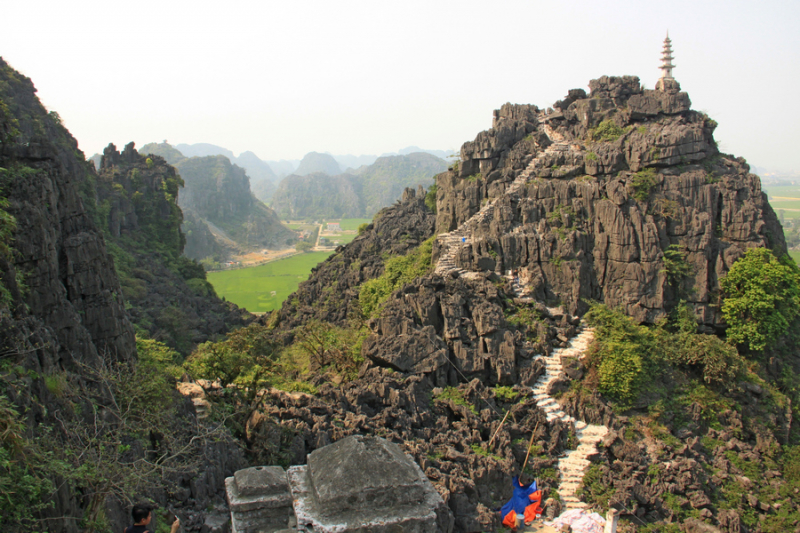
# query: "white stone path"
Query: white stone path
{"points": [[573, 465], [453, 241]]}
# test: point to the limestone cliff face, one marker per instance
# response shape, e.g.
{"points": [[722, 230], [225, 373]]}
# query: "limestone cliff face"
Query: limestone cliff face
{"points": [[331, 292], [218, 193], [137, 199], [319, 195], [63, 317], [607, 182], [71, 288]]}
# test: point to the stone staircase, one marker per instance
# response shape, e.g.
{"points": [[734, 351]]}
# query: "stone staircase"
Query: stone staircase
{"points": [[573, 465], [452, 242]]}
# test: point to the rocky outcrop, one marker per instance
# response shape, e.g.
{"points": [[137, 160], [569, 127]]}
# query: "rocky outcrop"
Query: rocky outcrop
{"points": [[70, 285], [448, 432], [169, 295], [218, 193], [331, 292], [583, 201]]}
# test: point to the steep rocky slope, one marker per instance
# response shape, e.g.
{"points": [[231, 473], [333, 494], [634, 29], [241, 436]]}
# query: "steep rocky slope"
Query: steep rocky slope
{"points": [[606, 183], [331, 293], [619, 196], [170, 298], [67, 346], [224, 216]]}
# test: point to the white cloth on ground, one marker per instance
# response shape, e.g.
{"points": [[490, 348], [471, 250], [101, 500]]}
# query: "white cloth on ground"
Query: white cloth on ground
{"points": [[580, 521]]}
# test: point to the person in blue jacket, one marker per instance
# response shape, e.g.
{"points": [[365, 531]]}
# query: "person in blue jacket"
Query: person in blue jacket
{"points": [[524, 506]]}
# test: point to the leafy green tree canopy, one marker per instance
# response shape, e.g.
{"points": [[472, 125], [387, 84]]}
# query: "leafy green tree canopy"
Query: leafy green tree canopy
{"points": [[761, 298]]}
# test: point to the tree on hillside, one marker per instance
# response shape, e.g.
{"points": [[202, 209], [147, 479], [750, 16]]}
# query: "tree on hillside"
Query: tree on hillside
{"points": [[761, 298]]}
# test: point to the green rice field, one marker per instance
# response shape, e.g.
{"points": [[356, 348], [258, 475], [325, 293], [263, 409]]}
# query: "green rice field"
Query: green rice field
{"points": [[785, 198], [348, 224], [252, 288]]}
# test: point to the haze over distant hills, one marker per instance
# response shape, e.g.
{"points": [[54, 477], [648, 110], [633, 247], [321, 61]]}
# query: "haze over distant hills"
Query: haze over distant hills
{"points": [[356, 193], [265, 175], [221, 215], [314, 162]]}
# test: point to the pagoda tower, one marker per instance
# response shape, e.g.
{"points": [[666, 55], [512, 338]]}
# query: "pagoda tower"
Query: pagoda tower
{"points": [[667, 83]]}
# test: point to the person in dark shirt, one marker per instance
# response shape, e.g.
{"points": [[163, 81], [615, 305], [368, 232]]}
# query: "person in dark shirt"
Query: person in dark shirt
{"points": [[141, 518]]}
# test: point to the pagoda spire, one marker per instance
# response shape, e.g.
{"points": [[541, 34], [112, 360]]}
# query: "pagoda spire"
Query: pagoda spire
{"points": [[666, 59], [666, 82]]}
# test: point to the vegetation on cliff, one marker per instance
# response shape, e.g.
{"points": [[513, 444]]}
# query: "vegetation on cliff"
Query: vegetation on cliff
{"points": [[167, 293], [222, 214]]}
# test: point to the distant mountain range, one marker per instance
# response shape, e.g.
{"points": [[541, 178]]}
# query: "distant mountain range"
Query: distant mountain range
{"points": [[266, 174], [357, 193], [221, 215]]}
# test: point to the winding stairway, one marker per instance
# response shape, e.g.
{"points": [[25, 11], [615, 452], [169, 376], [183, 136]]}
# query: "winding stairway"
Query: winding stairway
{"points": [[452, 242], [572, 466]]}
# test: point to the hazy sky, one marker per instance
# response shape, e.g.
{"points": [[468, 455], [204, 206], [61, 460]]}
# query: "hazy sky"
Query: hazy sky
{"points": [[282, 78]]}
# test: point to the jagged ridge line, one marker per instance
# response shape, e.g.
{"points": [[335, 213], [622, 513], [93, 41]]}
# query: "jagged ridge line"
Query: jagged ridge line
{"points": [[446, 262], [573, 465]]}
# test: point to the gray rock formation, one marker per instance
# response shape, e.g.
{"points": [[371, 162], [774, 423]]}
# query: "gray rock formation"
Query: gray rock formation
{"points": [[259, 499], [394, 231], [584, 200], [68, 321], [365, 485]]}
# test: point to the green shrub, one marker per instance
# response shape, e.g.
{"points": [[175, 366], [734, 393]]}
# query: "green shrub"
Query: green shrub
{"points": [[25, 487], [525, 318], [643, 183], [398, 271], [761, 298], [303, 246], [592, 488], [362, 227], [606, 131], [477, 449], [452, 394], [430, 198], [675, 265], [506, 394], [622, 354], [201, 287], [56, 383], [324, 346]]}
